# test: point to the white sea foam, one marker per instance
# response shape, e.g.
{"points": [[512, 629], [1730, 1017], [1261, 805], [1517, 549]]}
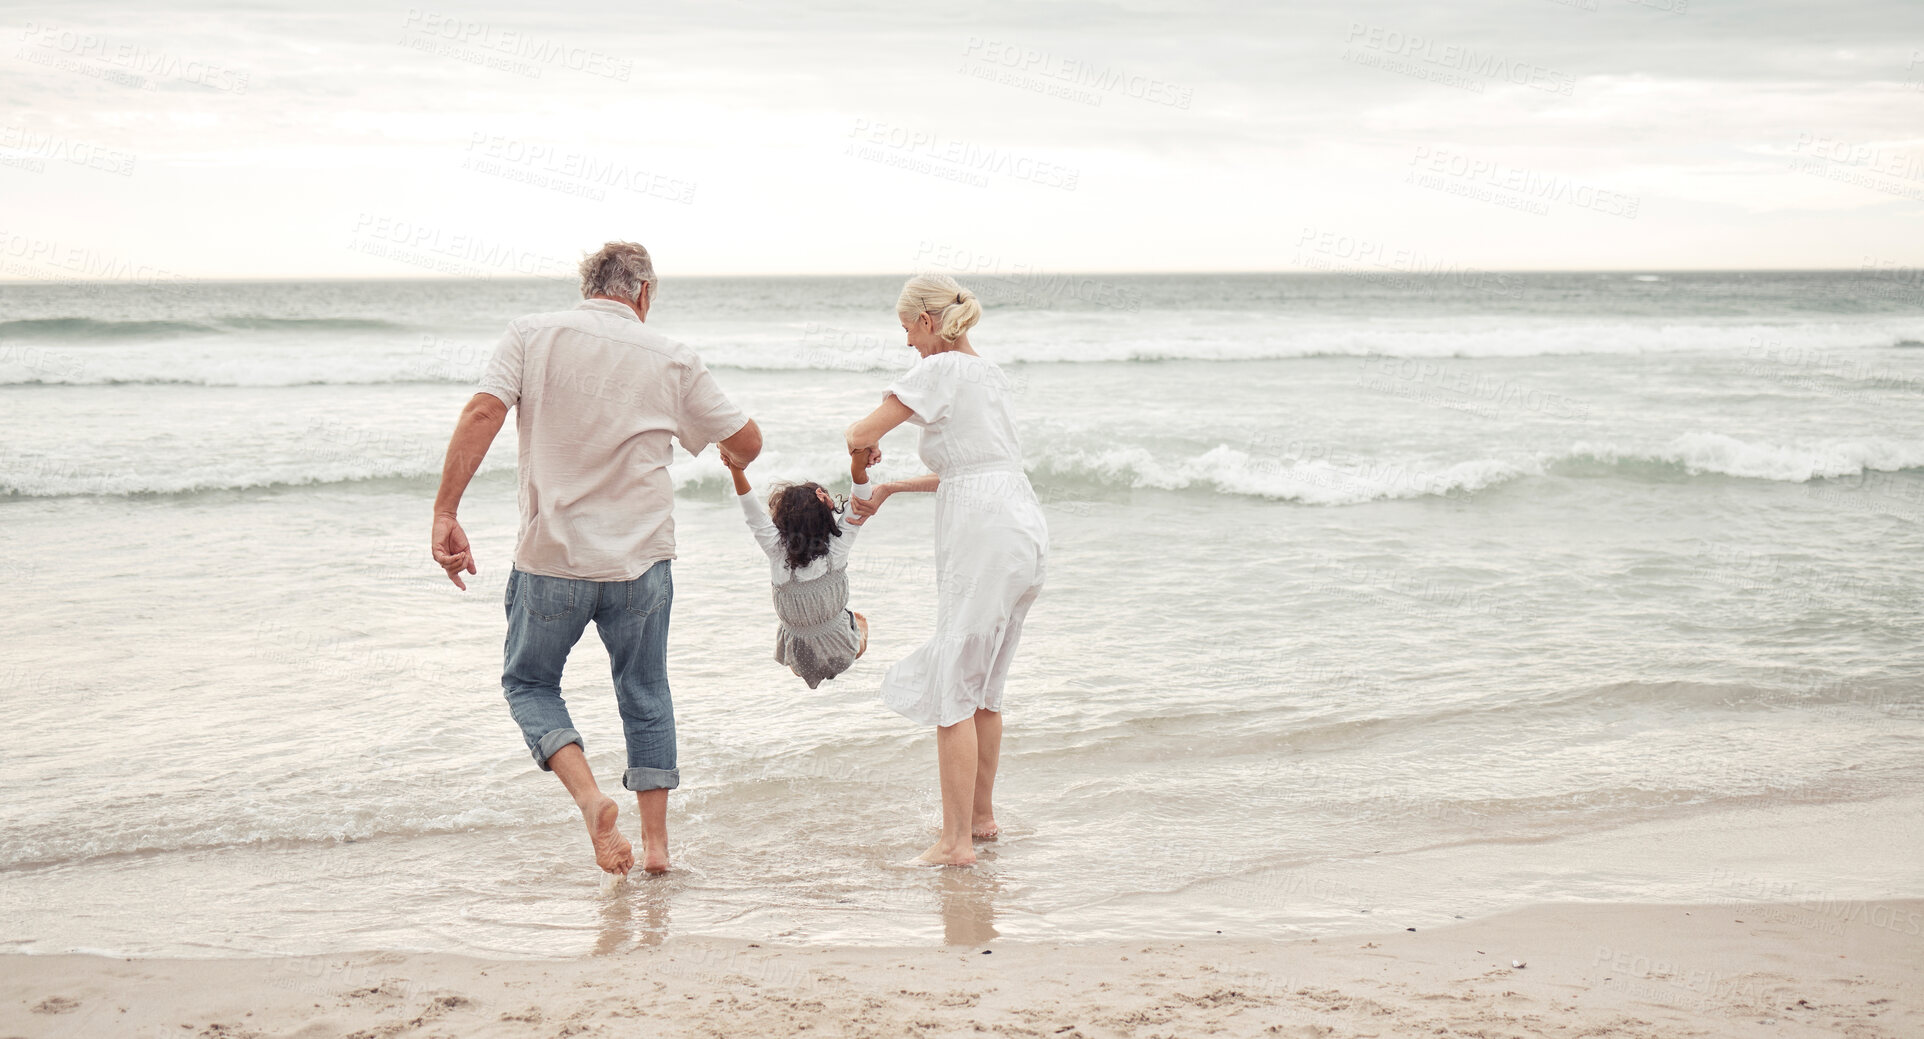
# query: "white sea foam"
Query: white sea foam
{"points": [[360, 357], [1223, 469], [1228, 470], [1705, 452]]}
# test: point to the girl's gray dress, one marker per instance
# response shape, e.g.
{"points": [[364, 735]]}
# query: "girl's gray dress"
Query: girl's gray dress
{"points": [[815, 636]]}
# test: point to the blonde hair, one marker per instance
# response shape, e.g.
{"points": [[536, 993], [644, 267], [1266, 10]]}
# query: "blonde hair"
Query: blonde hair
{"points": [[955, 308]]}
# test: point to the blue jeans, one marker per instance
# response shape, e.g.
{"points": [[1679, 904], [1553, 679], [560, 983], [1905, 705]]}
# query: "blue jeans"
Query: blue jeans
{"points": [[546, 616]]}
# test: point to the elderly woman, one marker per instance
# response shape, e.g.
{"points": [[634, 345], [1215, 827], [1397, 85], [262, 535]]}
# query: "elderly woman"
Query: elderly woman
{"points": [[991, 544]]}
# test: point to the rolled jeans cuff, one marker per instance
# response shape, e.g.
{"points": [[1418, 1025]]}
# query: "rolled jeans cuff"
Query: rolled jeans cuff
{"points": [[553, 742], [651, 779]]}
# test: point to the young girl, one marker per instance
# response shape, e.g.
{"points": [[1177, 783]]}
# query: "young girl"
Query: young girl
{"points": [[807, 544]]}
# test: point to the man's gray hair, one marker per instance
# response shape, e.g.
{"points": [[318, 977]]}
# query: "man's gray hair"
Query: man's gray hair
{"points": [[620, 269]]}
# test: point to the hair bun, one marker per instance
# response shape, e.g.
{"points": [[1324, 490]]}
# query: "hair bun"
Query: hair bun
{"points": [[938, 294]]}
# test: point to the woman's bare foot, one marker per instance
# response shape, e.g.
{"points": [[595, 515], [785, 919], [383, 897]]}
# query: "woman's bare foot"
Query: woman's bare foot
{"points": [[612, 852], [942, 853], [985, 829]]}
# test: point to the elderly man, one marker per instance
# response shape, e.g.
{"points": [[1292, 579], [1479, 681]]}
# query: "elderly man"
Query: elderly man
{"points": [[598, 395]]}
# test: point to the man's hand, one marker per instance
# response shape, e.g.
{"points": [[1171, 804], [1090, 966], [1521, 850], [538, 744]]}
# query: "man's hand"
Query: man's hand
{"points": [[729, 461], [480, 420], [874, 455], [449, 543]]}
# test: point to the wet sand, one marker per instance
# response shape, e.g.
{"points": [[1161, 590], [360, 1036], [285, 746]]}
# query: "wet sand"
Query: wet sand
{"points": [[1836, 968]]}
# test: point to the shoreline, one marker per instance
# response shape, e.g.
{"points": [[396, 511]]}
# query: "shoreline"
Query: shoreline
{"points": [[1595, 970]]}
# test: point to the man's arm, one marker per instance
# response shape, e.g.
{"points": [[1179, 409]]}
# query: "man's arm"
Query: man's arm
{"points": [[743, 447], [474, 433]]}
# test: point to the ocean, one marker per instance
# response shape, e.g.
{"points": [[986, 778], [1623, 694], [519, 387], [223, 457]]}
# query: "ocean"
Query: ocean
{"points": [[1375, 599]]}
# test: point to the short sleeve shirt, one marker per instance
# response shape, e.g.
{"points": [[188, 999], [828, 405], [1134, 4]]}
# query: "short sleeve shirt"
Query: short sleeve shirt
{"points": [[599, 399], [962, 403]]}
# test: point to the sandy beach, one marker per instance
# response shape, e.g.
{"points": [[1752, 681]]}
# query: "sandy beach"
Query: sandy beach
{"points": [[1850, 969]]}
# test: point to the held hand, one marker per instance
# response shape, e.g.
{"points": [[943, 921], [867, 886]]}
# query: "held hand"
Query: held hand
{"points": [[874, 455], [449, 543], [855, 447], [866, 507], [728, 461]]}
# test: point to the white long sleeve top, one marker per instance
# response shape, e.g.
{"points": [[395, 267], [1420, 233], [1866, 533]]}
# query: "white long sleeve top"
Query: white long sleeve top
{"points": [[756, 513]]}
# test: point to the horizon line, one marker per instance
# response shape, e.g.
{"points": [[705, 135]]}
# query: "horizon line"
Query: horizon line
{"points": [[963, 275]]}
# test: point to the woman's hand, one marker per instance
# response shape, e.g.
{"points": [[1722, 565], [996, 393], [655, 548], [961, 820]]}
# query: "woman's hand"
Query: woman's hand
{"points": [[869, 506]]}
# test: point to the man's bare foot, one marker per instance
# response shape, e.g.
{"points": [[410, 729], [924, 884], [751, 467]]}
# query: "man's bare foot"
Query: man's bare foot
{"points": [[985, 829], [941, 853], [654, 860], [612, 852]]}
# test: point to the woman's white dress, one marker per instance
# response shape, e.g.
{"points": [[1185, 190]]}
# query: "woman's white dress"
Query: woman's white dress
{"points": [[991, 542]]}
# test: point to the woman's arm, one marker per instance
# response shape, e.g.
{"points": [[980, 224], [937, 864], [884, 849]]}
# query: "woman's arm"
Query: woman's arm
{"points": [[868, 432], [869, 506], [925, 482]]}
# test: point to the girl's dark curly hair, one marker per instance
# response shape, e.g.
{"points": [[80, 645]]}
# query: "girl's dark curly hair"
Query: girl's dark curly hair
{"points": [[804, 523]]}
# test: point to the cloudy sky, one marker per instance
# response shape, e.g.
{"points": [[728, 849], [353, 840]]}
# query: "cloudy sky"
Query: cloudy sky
{"points": [[349, 140]]}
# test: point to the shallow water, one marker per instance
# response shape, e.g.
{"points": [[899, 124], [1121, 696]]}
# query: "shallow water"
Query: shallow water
{"points": [[1360, 598]]}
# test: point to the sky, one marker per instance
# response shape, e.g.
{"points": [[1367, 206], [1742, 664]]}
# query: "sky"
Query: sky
{"points": [[340, 140]]}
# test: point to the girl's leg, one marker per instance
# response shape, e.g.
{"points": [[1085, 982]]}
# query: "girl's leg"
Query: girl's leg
{"points": [[988, 753], [955, 749], [861, 623]]}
